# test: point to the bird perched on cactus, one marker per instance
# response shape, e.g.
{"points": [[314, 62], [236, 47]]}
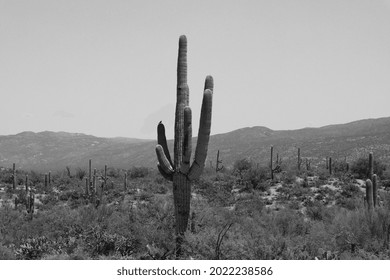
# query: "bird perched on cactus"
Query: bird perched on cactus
{"points": [[180, 170]]}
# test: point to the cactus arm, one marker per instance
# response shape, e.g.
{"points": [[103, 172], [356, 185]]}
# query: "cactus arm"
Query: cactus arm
{"points": [[163, 161], [169, 177], [187, 141], [162, 140], [209, 83], [203, 136]]}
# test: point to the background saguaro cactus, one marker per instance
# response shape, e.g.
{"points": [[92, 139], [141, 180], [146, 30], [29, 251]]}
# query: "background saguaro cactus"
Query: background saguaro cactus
{"points": [[369, 194], [14, 182], [219, 166], [299, 159], [180, 171], [270, 164], [375, 190], [370, 166]]}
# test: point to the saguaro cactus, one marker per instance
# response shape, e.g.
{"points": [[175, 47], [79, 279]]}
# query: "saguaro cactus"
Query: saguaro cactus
{"points": [[270, 164], [90, 172], [14, 176], [299, 159], [125, 182], [26, 183], [370, 166], [375, 190], [105, 178], [330, 166], [219, 166], [180, 171], [369, 194], [30, 198]]}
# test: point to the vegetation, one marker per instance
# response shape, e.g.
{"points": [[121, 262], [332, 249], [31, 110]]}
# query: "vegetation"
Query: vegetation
{"points": [[237, 213]]}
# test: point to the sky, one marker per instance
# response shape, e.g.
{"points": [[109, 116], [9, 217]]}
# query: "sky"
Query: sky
{"points": [[108, 68]]}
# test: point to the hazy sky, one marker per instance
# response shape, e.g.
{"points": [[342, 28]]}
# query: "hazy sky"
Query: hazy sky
{"points": [[108, 68]]}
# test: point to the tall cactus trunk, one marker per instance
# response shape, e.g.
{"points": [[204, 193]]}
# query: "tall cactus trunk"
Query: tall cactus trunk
{"points": [[181, 198], [270, 164]]}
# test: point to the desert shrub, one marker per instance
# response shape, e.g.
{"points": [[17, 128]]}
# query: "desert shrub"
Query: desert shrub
{"points": [[35, 177], [113, 172], [256, 176], [6, 176], [316, 211], [241, 167], [6, 253], [80, 173], [98, 241], [289, 176], [33, 248], [138, 172], [251, 208], [360, 168], [217, 193], [287, 222], [339, 166]]}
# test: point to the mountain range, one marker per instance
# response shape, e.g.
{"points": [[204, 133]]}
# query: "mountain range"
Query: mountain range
{"points": [[47, 150]]}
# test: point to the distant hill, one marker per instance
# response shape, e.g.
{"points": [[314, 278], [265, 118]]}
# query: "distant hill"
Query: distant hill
{"points": [[55, 150]]}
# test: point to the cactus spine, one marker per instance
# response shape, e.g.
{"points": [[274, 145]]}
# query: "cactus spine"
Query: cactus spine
{"points": [[180, 171]]}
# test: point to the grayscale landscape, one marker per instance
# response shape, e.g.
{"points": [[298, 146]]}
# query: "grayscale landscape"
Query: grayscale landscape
{"points": [[215, 130]]}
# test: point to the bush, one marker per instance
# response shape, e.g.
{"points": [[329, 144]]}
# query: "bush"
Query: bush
{"points": [[256, 176], [6, 253], [241, 167], [138, 172], [340, 166], [360, 168], [33, 248], [100, 242], [80, 173]]}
